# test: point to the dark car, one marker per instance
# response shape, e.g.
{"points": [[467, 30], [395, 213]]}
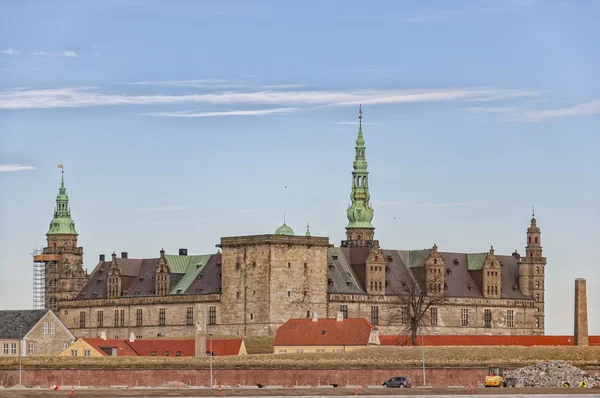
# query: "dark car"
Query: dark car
{"points": [[397, 382]]}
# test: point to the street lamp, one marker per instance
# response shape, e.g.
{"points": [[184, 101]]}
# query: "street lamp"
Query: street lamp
{"points": [[210, 360], [20, 378], [423, 357]]}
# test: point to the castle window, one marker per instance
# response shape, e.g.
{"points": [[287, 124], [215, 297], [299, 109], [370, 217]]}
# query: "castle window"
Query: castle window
{"points": [[237, 266], [100, 319], [254, 264], [433, 315], [371, 285], [254, 292], [537, 284], [537, 323], [251, 316], [537, 270], [464, 317], [510, 318], [237, 295], [122, 318], [529, 239], [536, 239], [189, 316], [371, 268], [289, 265], [212, 315], [435, 260], [308, 314], [31, 348], [138, 317], [375, 315], [487, 318], [161, 317], [82, 319], [116, 323], [305, 265], [537, 297], [344, 310], [289, 293], [380, 285]]}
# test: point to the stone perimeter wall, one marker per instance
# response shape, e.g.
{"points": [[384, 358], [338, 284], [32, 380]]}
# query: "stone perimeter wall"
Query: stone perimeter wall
{"points": [[436, 377]]}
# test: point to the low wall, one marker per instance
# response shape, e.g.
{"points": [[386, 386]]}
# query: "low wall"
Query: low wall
{"points": [[437, 377], [450, 340]]}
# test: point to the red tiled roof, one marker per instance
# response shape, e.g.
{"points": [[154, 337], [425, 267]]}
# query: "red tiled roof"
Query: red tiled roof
{"points": [[123, 350], [186, 347], [450, 340], [299, 332]]}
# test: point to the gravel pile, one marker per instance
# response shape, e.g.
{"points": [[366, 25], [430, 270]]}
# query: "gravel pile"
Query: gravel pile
{"points": [[552, 374]]}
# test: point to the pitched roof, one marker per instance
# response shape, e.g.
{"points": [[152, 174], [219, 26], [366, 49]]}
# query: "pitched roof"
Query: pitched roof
{"points": [[11, 319], [123, 349], [138, 276], [185, 347], [306, 332]]}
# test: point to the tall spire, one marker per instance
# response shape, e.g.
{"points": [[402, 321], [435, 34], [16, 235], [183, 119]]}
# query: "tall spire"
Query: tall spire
{"points": [[360, 213], [62, 222]]}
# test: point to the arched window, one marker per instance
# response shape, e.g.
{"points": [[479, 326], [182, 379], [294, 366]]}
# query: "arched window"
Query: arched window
{"points": [[536, 239], [537, 284], [529, 239]]}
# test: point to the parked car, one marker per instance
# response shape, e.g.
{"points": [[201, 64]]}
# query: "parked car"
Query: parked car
{"points": [[397, 382]]}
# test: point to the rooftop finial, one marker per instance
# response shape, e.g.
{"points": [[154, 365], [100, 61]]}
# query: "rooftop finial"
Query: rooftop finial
{"points": [[360, 115], [533, 212], [62, 171]]}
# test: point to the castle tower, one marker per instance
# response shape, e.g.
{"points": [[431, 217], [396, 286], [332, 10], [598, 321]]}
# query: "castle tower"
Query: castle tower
{"points": [[360, 231], [64, 274], [532, 273], [162, 284]]}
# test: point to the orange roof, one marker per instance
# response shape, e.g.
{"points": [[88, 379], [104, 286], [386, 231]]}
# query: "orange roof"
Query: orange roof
{"points": [[299, 332], [105, 346], [185, 347]]}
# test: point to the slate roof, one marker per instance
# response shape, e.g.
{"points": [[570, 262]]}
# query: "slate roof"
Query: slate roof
{"points": [[463, 280], [324, 332], [138, 276], [11, 319]]}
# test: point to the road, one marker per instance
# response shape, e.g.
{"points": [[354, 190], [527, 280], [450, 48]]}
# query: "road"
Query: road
{"points": [[304, 393]]}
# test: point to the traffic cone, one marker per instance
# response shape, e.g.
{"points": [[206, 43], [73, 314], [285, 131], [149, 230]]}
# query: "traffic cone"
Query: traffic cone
{"points": [[72, 391], [356, 390], [219, 389]]}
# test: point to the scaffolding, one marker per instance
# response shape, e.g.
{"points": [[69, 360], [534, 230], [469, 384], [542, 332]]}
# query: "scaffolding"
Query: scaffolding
{"points": [[39, 281]]}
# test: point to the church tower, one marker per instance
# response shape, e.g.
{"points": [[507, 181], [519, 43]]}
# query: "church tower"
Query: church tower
{"points": [[64, 274], [360, 231], [532, 272]]}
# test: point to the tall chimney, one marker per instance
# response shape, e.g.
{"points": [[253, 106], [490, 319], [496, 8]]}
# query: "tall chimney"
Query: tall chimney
{"points": [[340, 316], [123, 254], [103, 335], [183, 252], [201, 333], [581, 315], [315, 317], [102, 258], [131, 337]]}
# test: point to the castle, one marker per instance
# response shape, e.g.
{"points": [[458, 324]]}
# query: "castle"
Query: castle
{"points": [[253, 284]]}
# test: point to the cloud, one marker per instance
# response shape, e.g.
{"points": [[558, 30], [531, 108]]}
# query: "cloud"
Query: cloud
{"points": [[247, 210], [14, 167], [354, 123], [165, 208], [514, 114], [425, 18], [91, 96], [257, 112], [585, 109], [9, 51], [403, 203], [67, 53], [215, 84]]}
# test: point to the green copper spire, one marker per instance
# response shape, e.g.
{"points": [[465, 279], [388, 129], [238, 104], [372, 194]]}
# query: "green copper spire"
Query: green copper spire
{"points": [[62, 222], [360, 213]]}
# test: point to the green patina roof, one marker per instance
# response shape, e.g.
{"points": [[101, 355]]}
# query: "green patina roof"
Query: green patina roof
{"points": [[475, 261], [62, 223], [193, 266], [360, 212], [284, 230], [414, 258]]}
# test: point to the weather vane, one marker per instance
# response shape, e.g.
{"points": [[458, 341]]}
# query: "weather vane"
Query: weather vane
{"points": [[360, 114]]}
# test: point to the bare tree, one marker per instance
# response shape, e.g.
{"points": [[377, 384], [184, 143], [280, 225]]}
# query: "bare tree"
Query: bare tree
{"points": [[418, 295]]}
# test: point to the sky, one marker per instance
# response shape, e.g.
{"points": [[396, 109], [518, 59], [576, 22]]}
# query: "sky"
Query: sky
{"points": [[181, 122]]}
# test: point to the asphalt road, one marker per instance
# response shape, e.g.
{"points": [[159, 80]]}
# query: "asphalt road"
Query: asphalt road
{"points": [[331, 392]]}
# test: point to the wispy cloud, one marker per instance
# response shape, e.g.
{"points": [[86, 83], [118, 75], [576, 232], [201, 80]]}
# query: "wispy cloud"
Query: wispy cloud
{"points": [[216, 84], [425, 18], [354, 123], [9, 51], [66, 53], [515, 114], [403, 203], [164, 208], [256, 112], [90, 96], [14, 167], [247, 210]]}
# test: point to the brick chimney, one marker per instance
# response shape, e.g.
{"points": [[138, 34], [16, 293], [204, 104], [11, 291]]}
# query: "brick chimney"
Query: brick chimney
{"points": [[131, 337], [103, 335], [315, 317], [581, 315], [340, 316]]}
